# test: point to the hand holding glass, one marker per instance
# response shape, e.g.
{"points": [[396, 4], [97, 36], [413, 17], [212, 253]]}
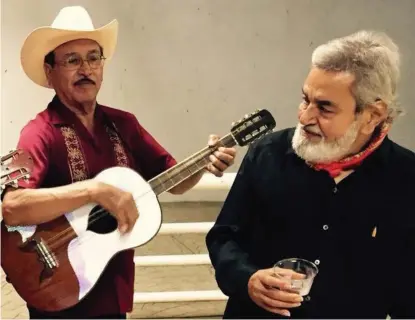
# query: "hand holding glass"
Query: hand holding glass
{"points": [[304, 267]]}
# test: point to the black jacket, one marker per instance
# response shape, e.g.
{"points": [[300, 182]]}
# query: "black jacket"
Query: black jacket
{"points": [[279, 207]]}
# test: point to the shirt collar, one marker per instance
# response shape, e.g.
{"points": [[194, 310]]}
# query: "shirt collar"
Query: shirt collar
{"points": [[62, 115]]}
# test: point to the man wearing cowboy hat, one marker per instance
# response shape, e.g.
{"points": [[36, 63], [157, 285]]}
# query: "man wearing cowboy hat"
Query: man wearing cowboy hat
{"points": [[75, 138]]}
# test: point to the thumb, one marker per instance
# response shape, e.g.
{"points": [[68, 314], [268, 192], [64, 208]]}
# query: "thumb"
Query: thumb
{"points": [[213, 139]]}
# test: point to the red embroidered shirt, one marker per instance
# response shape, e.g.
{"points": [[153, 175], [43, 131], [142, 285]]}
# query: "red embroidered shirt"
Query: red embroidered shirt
{"points": [[64, 152]]}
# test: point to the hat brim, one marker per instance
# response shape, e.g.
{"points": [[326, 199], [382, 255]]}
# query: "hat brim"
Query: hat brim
{"points": [[45, 39]]}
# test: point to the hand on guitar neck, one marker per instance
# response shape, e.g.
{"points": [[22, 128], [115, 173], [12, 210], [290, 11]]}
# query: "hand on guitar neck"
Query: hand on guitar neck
{"points": [[36, 206], [219, 161]]}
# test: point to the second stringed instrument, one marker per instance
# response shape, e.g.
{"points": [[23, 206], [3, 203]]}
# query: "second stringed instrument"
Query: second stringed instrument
{"points": [[15, 165]]}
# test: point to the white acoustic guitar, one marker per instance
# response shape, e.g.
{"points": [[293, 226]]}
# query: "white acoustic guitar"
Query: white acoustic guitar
{"points": [[54, 265]]}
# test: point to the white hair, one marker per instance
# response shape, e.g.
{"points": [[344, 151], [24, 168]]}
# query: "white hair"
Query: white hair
{"points": [[373, 59]]}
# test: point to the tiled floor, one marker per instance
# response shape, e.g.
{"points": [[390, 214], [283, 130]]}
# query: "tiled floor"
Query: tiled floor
{"points": [[12, 306]]}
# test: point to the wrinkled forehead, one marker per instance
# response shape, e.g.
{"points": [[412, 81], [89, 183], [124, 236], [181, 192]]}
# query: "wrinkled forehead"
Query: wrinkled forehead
{"points": [[328, 85], [80, 46]]}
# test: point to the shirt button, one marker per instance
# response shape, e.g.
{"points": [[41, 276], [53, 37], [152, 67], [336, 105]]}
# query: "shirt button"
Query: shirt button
{"points": [[325, 227], [307, 298], [317, 262], [335, 190]]}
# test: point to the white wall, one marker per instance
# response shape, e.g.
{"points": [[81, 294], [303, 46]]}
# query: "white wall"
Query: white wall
{"points": [[187, 68]]}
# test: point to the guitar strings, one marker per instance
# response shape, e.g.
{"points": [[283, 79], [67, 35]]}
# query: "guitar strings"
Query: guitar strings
{"points": [[204, 161], [203, 158], [79, 241]]}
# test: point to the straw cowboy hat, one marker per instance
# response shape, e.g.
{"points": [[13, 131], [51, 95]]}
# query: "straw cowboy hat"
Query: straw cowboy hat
{"points": [[71, 23]]}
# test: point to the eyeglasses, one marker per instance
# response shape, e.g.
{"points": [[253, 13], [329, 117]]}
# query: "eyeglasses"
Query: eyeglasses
{"points": [[75, 61]]}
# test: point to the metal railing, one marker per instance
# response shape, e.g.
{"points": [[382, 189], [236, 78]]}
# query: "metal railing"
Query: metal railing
{"points": [[210, 188], [179, 296], [185, 227]]}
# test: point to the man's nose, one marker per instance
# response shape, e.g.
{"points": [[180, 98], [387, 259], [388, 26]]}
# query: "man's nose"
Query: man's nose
{"points": [[84, 68], [308, 114]]}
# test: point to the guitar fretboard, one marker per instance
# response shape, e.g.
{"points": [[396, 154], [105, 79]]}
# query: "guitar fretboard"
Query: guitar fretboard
{"points": [[187, 167]]}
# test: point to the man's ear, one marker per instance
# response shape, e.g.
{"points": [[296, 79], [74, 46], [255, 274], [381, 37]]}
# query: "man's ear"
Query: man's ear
{"points": [[48, 73], [375, 114]]}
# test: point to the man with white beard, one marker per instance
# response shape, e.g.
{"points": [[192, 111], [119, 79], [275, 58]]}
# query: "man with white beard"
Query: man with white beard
{"points": [[334, 191]]}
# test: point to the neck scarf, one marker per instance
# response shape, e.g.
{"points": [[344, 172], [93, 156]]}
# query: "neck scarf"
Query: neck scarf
{"points": [[335, 168]]}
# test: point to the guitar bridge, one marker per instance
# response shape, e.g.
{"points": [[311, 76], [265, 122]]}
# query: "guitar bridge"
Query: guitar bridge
{"points": [[45, 256]]}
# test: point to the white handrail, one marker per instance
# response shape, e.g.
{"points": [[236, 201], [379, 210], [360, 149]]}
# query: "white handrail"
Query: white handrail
{"points": [[179, 296], [209, 188], [185, 227], [173, 260], [210, 181]]}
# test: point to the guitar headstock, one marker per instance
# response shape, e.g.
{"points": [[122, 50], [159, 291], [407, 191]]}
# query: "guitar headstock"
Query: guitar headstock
{"points": [[252, 127], [15, 165]]}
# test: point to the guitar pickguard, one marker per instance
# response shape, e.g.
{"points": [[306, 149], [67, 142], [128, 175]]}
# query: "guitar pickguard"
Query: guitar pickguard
{"points": [[25, 231]]}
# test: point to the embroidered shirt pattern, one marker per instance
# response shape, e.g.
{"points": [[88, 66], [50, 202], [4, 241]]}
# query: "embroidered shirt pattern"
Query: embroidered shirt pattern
{"points": [[121, 156], [76, 160]]}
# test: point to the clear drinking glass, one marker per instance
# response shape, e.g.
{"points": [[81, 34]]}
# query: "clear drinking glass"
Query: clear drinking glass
{"points": [[307, 268]]}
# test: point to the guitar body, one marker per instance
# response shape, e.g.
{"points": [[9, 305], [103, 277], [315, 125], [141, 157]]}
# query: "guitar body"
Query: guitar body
{"points": [[55, 265]]}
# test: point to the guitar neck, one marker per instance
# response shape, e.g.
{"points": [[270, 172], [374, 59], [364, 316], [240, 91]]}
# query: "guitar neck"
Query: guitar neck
{"points": [[188, 167]]}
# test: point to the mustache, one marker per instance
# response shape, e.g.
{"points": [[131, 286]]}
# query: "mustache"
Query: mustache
{"points": [[312, 128], [84, 80]]}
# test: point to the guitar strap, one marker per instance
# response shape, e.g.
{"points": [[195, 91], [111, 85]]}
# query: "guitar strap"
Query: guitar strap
{"points": [[76, 158]]}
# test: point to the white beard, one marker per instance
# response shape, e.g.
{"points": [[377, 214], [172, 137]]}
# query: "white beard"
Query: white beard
{"points": [[323, 151]]}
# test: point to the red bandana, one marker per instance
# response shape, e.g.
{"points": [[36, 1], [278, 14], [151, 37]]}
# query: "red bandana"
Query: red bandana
{"points": [[335, 168]]}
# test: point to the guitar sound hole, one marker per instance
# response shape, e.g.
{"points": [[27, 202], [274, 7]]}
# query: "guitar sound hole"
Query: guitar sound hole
{"points": [[100, 221]]}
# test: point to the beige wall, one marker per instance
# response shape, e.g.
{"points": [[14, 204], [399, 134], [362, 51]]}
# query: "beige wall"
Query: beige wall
{"points": [[198, 65]]}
